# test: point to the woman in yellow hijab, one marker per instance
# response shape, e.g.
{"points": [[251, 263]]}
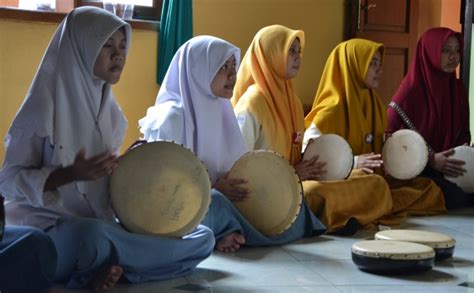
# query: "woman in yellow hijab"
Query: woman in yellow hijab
{"points": [[270, 116], [346, 104]]}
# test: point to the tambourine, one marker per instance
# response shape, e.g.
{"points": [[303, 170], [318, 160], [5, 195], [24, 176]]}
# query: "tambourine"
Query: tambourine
{"points": [[392, 257], [405, 154], [466, 181], [336, 152], [442, 244]]}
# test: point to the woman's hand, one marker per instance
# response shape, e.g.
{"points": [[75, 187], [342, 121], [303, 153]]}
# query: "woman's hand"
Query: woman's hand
{"points": [[82, 170], [94, 168], [311, 169], [368, 162], [446, 165], [232, 188]]}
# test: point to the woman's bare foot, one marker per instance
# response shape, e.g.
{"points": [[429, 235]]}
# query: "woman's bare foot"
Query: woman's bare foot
{"points": [[230, 243], [107, 279]]}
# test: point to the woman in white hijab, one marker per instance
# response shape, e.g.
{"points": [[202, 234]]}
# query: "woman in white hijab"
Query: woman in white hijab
{"points": [[193, 108], [60, 150]]}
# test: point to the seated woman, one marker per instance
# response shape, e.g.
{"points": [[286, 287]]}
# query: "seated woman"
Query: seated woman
{"points": [[27, 259], [436, 103], [270, 116], [60, 150], [193, 109], [347, 104]]}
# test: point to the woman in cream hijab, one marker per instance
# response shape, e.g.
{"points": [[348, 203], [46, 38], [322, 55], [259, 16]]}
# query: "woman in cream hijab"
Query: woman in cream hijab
{"points": [[347, 104], [270, 115], [60, 150], [193, 108]]}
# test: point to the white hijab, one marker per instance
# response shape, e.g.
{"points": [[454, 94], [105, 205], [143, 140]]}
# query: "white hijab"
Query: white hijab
{"points": [[63, 103], [187, 111]]}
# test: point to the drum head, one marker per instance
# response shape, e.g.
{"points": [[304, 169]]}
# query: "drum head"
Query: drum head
{"points": [[442, 244], [405, 154], [336, 152], [160, 188], [275, 191], [392, 257], [465, 182]]}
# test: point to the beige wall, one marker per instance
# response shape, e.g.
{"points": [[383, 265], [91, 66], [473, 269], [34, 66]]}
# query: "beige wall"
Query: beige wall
{"points": [[238, 20], [22, 46], [23, 43], [450, 14]]}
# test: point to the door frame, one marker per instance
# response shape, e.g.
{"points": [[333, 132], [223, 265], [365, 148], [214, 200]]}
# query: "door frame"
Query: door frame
{"points": [[466, 21]]}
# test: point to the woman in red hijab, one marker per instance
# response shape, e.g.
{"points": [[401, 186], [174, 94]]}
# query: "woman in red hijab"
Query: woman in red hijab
{"points": [[436, 104]]}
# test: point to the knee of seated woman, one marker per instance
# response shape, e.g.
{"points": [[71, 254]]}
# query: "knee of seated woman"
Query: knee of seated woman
{"points": [[92, 232]]}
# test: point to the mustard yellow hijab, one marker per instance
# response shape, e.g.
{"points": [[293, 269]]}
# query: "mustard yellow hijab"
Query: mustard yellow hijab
{"points": [[262, 89], [343, 104]]}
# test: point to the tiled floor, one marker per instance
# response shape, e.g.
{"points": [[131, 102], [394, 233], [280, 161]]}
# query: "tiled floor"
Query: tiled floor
{"points": [[323, 264]]}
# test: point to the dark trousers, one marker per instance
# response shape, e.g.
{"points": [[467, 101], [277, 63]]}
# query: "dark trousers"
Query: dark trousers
{"points": [[28, 260], [454, 196]]}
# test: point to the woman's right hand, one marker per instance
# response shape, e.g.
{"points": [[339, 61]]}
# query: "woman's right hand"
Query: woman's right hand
{"points": [[311, 169], [368, 162], [82, 170], [446, 165], [94, 168], [232, 188]]}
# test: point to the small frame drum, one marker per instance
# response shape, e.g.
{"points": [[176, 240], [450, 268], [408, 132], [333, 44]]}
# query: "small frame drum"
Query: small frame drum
{"points": [[275, 195], [336, 152], [442, 244], [405, 154], [392, 257], [160, 188], [466, 181]]}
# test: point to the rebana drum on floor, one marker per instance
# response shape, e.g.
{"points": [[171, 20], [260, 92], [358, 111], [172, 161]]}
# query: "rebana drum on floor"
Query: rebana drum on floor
{"points": [[442, 244], [160, 188], [392, 257], [275, 195], [336, 152], [466, 181], [405, 154]]}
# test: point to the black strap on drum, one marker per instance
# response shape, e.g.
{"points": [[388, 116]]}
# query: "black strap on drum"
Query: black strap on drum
{"points": [[405, 119]]}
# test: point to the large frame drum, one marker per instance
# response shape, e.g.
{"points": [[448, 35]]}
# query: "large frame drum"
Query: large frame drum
{"points": [[275, 194], [160, 188]]}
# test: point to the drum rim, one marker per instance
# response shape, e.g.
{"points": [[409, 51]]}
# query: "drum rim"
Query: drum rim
{"points": [[203, 210], [299, 185], [349, 169], [425, 158], [394, 255], [451, 243]]}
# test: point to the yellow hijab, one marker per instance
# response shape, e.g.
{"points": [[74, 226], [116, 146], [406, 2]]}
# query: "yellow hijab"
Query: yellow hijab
{"points": [[343, 104], [262, 89]]}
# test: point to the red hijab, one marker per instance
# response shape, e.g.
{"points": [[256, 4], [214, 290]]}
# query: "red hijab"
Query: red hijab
{"points": [[435, 101]]}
